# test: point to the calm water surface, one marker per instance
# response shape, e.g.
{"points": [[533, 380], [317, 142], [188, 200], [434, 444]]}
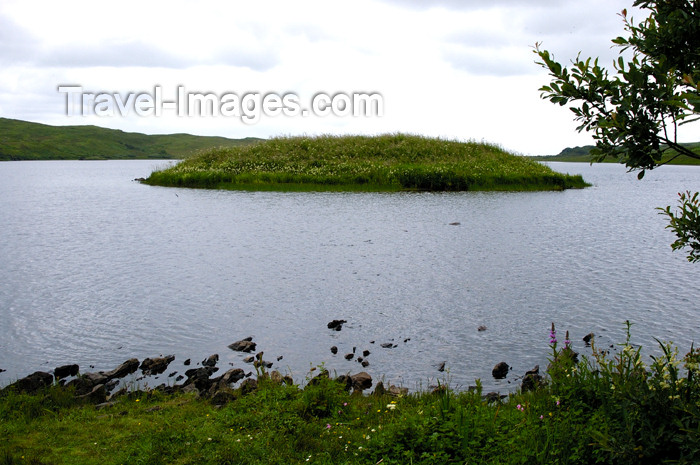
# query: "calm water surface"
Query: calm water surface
{"points": [[96, 268]]}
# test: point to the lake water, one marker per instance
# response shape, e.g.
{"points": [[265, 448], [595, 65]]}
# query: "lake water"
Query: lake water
{"points": [[96, 268]]}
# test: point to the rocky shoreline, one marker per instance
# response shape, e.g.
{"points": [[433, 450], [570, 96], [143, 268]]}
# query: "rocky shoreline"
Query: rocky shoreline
{"points": [[99, 387]]}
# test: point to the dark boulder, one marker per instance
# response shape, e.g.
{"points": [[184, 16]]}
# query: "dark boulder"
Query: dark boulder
{"points": [[388, 345], [248, 385], [365, 353], [334, 350], [156, 366], [532, 380], [85, 383], [97, 395], [588, 338], [349, 356], [232, 376], [244, 345], [379, 389], [336, 325], [126, 368], [345, 381], [34, 382], [361, 381], [211, 360], [500, 371], [200, 377], [65, 371]]}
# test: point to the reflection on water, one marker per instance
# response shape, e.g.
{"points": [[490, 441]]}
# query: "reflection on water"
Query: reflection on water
{"points": [[97, 268]]}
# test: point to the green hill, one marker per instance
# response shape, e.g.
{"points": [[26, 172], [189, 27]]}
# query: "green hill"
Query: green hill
{"points": [[22, 140], [389, 162], [582, 154]]}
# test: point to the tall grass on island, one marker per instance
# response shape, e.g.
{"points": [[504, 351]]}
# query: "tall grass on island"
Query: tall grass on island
{"points": [[604, 408], [392, 162]]}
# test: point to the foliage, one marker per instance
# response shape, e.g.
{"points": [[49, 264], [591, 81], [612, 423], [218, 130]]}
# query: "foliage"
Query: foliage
{"points": [[388, 162], [635, 114], [22, 140], [685, 223], [639, 413], [609, 407]]}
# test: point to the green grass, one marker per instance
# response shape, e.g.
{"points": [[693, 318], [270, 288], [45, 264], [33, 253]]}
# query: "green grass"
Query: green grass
{"points": [[390, 162], [610, 409], [582, 155], [21, 140]]}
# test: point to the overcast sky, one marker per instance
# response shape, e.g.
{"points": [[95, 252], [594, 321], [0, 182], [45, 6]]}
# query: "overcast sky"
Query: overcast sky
{"points": [[456, 69]]}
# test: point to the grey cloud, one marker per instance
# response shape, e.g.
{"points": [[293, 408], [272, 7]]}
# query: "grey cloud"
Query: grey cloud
{"points": [[472, 4], [139, 54], [489, 62], [110, 54], [16, 44], [19, 47]]}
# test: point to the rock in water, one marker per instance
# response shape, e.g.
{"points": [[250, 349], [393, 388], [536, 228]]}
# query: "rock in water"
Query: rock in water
{"points": [[244, 345], [126, 368], [210, 361], [500, 371], [65, 371], [532, 380], [156, 366], [33, 382], [336, 325], [361, 381]]}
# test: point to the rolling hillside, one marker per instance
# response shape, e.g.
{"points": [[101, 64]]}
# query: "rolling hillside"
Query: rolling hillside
{"points": [[22, 140]]}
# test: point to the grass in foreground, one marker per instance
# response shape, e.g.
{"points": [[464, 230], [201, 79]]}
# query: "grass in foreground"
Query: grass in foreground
{"points": [[391, 162], [603, 409]]}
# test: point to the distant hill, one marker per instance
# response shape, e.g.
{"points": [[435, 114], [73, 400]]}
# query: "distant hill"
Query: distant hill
{"points": [[22, 140], [582, 154]]}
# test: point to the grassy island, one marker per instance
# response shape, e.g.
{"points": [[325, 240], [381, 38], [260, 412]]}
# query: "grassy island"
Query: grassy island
{"points": [[392, 162]]}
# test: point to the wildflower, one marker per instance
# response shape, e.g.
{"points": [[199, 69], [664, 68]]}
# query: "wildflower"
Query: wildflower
{"points": [[328, 426], [553, 336], [567, 342], [520, 407], [391, 406], [541, 417]]}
